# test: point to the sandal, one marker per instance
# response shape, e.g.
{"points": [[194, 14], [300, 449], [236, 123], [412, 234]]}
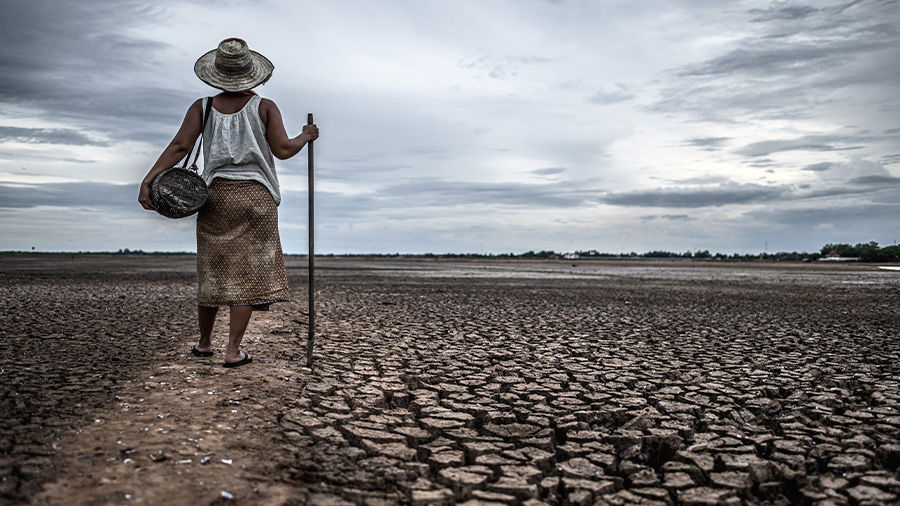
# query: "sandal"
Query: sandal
{"points": [[197, 353], [246, 360]]}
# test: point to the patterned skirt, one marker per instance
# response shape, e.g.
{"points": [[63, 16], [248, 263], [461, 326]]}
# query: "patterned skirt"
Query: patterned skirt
{"points": [[239, 258]]}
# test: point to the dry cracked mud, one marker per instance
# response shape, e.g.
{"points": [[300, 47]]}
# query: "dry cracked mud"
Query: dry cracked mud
{"points": [[439, 382]]}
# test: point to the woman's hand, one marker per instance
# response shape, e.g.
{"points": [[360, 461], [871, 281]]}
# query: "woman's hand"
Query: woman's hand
{"points": [[311, 132], [144, 197]]}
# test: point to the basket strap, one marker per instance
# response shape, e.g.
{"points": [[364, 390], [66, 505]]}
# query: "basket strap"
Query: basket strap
{"points": [[206, 116]]}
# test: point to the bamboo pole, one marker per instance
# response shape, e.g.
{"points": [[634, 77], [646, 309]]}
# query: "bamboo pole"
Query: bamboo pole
{"points": [[311, 337]]}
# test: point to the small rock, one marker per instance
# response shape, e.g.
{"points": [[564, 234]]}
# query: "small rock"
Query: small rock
{"points": [[579, 498], [597, 487], [678, 480], [849, 462], [516, 486], [462, 482], [580, 468], [644, 478], [867, 494], [833, 483], [706, 496], [450, 458], [426, 497], [882, 482], [494, 497], [731, 479]]}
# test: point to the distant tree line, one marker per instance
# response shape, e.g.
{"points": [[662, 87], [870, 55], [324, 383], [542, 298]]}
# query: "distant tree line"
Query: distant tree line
{"points": [[862, 252], [866, 252]]}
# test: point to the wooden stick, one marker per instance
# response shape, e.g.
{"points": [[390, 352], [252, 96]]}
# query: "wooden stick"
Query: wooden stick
{"points": [[311, 338]]}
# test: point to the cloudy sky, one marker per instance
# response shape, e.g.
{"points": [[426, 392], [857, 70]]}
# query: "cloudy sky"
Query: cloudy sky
{"points": [[474, 126]]}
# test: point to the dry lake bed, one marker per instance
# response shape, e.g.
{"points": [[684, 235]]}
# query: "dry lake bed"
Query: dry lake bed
{"points": [[442, 382]]}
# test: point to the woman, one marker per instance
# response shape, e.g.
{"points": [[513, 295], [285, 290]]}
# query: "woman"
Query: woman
{"points": [[239, 257]]}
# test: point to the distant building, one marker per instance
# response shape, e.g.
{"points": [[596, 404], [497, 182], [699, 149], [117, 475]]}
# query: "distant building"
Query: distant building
{"points": [[833, 256]]}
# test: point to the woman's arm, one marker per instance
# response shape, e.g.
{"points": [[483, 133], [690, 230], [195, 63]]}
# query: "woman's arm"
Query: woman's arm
{"points": [[176, 150], [283, 147]]}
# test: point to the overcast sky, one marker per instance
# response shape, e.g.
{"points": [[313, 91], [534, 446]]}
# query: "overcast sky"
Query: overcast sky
{"points": [[474, 126]]}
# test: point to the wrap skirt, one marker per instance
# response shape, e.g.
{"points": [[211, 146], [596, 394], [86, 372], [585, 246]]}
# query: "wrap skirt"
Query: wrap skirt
{"points": [[239, 256]]}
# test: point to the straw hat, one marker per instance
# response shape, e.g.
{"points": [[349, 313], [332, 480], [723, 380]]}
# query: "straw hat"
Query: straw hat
{"points": [[233, 67]]}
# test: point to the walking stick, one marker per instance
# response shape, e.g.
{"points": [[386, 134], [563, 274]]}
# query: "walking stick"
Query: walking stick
{"points": [[311, 338]]}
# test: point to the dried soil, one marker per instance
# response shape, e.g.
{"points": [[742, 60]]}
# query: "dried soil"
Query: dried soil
{"points": [[437, 382]]}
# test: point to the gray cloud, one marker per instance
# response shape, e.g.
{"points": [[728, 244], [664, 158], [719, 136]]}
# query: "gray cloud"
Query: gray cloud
{"points": [[438, 193], [429, 151], [890, 159], [820, 167], [30, 155], [724, 194], [710, 179], [674, 217], [48, 136], [348, 170], [855, 220], [828, 194], [418, 198], [860, 181], [548, 171], [73, 62], [793, 53], [876, 180], [502, 67], [805, 143], [619, 93], [331, 207], [707, 143], [778, 57], [69, 195], [782, 12], [761, 163]]}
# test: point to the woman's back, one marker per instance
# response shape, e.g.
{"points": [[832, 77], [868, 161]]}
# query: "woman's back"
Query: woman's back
{"points": [[230, 103], [235, 144]]}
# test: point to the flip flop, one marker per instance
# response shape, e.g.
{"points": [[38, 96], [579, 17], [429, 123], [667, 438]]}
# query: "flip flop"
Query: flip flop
{"points": [[197, 353], [246, 360]]}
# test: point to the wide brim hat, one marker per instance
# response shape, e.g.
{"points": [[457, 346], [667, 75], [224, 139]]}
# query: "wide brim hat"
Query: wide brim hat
{"points": [[233, 67]]}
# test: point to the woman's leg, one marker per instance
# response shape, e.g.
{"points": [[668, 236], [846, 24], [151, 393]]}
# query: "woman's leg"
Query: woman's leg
{"points": [[240, 318], [206, 316]]}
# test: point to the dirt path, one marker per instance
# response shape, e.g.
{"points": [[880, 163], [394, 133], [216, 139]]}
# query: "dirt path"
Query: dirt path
{"points": [[187, 432], [541, 387]]}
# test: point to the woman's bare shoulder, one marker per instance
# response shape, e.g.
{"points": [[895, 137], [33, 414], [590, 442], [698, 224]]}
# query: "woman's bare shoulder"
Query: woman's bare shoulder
{"points": [[267, 103], [195, 109], [267, 109]]}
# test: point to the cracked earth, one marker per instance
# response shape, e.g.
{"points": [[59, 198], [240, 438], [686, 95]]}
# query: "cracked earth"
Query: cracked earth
{"points": [[440, 382]]}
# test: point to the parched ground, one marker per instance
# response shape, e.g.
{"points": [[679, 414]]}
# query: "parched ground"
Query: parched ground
{"points": [[437, 382]]}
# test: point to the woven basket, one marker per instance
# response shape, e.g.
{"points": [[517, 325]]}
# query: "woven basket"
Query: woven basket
{"points": [[178, 192]]}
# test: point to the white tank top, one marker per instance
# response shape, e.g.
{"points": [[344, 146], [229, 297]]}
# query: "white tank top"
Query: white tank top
{"points": [[235, 147]]}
